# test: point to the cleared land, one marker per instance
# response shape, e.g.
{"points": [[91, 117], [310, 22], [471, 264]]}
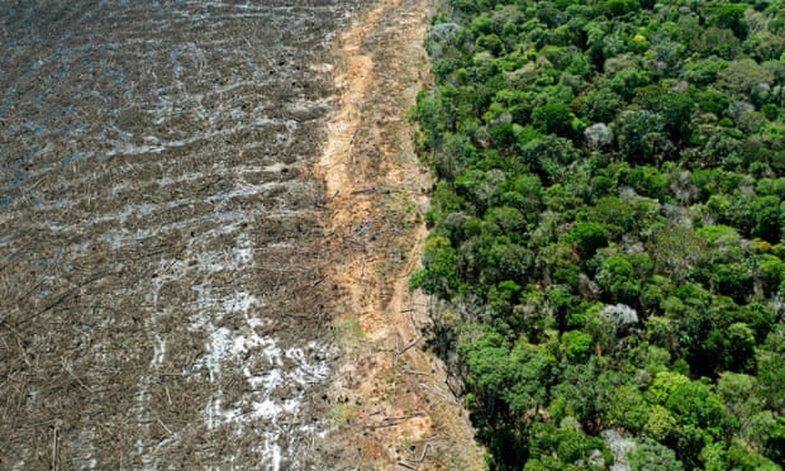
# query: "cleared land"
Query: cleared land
{"points": [[161, 302], [184, 282], [393, 404]]}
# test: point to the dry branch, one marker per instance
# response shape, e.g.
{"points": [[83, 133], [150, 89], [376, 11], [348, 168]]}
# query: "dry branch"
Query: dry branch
{"points": [[408, 346]]}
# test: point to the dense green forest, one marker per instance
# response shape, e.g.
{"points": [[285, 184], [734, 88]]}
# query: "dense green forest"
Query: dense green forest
{"points": [[607, 229]]}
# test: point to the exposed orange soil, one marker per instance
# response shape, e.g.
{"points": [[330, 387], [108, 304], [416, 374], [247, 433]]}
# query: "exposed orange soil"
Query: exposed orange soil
{"points": [[392, 406]]}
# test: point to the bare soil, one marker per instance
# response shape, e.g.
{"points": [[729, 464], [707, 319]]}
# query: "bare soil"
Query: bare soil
{"points": [[392, 405]]}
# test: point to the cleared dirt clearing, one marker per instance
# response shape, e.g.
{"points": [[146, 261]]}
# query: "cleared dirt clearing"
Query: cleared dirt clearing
{"points": [[391, 402]]}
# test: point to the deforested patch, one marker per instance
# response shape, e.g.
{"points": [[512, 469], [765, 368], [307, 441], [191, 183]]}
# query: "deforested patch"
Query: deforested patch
{"points": [[161, 295]]}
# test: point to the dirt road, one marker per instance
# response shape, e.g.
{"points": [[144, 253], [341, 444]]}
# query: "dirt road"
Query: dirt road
{"points": [[391, 401]]}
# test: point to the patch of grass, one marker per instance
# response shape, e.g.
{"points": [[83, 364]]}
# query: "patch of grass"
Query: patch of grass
{"points": [[341, 414], [348, 332], [400, 210]]}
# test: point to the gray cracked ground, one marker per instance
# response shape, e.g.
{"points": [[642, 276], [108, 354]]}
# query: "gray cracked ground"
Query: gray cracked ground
{"points": [[159, 233]]}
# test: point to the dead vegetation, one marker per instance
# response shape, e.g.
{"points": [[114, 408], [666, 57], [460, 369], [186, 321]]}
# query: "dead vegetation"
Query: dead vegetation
{"points": [[162, 295]]}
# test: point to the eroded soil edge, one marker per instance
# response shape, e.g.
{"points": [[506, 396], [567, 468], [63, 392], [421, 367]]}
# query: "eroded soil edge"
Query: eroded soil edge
{"points": [[392, 407]]}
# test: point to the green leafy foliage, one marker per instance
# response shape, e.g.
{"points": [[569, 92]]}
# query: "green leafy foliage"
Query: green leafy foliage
{"points": [[608, 221]]}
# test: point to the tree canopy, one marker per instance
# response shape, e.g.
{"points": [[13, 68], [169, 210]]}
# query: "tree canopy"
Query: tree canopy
{"points": [[607, 231]]}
